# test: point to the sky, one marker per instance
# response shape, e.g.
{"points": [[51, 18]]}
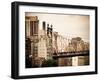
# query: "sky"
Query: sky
{"points": [[67, 25]]}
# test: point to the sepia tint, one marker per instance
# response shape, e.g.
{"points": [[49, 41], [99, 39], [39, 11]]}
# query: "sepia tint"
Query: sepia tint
{"points": [[55, 40]]}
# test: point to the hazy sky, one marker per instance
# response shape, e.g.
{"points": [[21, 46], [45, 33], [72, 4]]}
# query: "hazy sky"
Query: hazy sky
{"points": [[67, 25]]}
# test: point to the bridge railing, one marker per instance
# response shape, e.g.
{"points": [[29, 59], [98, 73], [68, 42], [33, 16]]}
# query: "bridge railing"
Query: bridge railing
{"points": [[74, 53]]}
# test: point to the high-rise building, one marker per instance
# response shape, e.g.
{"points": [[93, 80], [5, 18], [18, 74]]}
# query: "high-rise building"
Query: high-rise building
{"points": [[42, 48], [77, 44], [31, 32]]}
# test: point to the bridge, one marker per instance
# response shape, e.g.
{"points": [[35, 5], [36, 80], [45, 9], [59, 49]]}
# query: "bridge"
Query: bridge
{"points": [[70, 54]]}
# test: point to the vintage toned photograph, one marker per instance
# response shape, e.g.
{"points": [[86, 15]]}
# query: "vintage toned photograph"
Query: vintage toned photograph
{"points": [[56, 40]]}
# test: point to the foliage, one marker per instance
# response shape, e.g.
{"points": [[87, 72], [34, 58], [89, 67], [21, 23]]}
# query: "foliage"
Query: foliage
{"points": [[49, 63]]}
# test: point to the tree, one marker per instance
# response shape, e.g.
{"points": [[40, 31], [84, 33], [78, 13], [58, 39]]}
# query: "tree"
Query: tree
{"points": [[49, 63]]}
